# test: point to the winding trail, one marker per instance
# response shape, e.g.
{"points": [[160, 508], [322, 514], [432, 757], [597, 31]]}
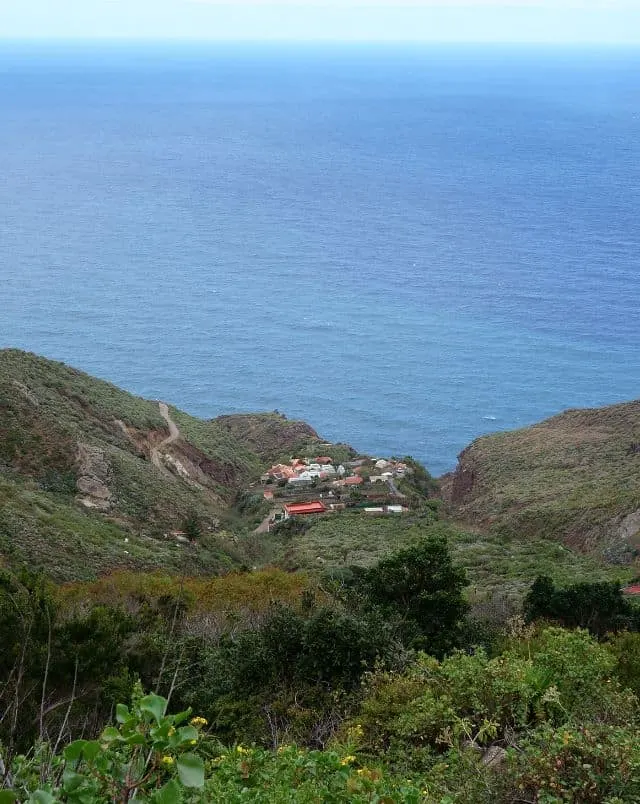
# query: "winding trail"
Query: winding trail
{"points": [[174, 435]]}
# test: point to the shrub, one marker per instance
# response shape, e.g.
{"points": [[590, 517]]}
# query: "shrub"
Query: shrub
{"points": [[421, 586], [626, 649], [594, 764], [558, 677], [148, 757], [598, 607]]}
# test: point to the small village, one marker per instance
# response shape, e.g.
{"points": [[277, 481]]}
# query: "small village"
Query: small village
{"points": [[310, 487]]}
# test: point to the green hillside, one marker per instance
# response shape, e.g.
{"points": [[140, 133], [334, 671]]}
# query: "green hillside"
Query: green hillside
{"points": [[93, 479], [83, 467], [574, 478], [500, 568]]}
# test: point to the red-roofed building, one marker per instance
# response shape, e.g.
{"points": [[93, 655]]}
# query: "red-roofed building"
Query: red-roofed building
{"points": [[634, 589], [281, 472], [354, 480], [324, 460], [304, 509]]}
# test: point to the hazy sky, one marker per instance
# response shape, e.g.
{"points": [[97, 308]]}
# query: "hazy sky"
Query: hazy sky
{"points": [[610, 21]]}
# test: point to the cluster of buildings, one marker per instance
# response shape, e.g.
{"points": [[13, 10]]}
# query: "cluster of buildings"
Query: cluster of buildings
{"points": [[318, 507], [299, 473], [302, 473], [382, 470]]}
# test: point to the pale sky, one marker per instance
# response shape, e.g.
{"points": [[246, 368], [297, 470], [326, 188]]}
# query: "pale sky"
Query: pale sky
{"points": [[574, 21]]}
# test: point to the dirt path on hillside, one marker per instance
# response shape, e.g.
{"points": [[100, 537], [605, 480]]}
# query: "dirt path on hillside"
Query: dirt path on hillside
{"points": [[174, 435], [263, 527]]}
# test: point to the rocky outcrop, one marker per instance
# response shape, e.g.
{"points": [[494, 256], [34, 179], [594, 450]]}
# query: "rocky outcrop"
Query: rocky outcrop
{"points": [[269, 435], [461, 483], [93, 477]]}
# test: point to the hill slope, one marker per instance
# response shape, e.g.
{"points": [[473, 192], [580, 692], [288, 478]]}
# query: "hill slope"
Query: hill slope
{"points": [[85, 465], [574, 477]]}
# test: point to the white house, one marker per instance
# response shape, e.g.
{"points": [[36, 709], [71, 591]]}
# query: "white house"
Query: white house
{"points": [[300, 480]]}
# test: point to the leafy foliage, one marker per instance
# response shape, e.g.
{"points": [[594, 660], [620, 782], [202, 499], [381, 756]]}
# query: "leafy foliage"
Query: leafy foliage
{"points": [[147, 757], [599, 607], [422, 586]]}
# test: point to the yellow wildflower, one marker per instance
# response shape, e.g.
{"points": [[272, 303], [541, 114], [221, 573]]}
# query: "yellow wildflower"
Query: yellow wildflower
{"points": [[199, 721], [242, 750], [192, 742], [347, 760], [171, 731], [167, 761]]}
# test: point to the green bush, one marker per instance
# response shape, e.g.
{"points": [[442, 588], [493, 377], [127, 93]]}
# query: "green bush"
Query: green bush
{"points": [[594, 764], [147, 757], [626, 649], [422, 587], [556, 677], [598, 607]]}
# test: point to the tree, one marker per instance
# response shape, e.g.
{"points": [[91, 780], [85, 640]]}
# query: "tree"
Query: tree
{"points": [[599, 607], [421, 586], [192, 527]]}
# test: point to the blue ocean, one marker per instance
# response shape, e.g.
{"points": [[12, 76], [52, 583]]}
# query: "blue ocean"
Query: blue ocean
{"points": [[406, 246]]}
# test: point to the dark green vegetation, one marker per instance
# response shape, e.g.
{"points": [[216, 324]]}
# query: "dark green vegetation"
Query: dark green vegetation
{"points": [[393, 658], [600, 607], [379, 688], [574, 478]]}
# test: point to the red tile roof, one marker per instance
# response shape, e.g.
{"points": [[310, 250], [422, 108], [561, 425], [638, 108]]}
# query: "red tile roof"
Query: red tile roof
{"points": [[323, 460], [297, 509], [634, 589], [280, 470], [353, 481]]}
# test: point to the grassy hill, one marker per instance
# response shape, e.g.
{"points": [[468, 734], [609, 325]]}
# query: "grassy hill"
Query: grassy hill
{"points": [[83, 467], [91, 481], [500, 568], [270, 435], [574, 478]]}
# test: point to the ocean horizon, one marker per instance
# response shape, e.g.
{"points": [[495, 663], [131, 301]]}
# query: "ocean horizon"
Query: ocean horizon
{"points": [[406, 246]]}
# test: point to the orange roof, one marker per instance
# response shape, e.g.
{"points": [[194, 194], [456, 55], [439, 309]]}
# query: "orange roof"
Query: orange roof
{"points": [[281, 469], [268, 495], [353, 481], [324, 459], [315, 507]]}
